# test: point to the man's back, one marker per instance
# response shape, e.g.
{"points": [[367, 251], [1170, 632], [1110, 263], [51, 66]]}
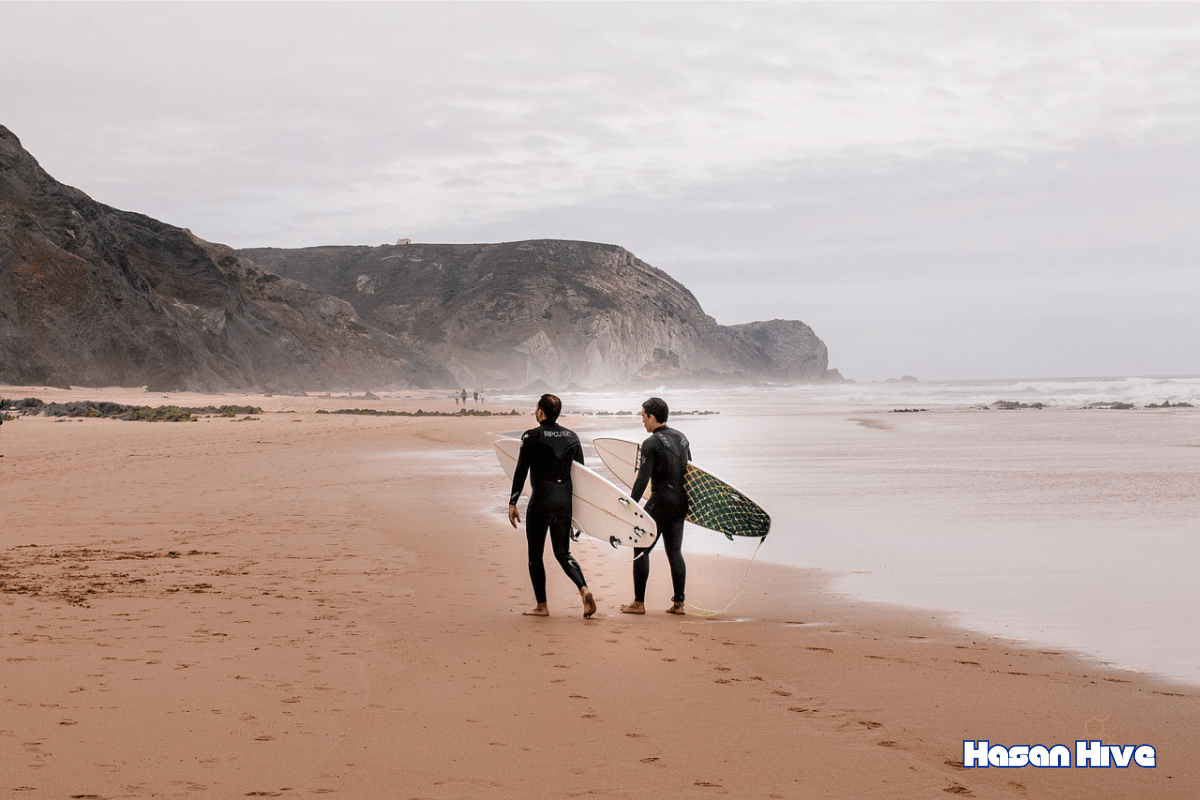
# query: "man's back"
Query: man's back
{"points": [[663, 465], [546, 455]]}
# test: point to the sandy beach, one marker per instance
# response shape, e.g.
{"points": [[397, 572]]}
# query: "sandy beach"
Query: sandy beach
{"points": [[294, 604]]}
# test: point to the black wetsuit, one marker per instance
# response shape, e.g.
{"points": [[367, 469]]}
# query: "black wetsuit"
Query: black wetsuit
{"points": [[547, 453], [663, 464]]}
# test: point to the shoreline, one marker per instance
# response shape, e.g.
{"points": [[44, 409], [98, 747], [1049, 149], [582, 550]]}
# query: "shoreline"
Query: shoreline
{"points": [[311, 604], [511, 423]]}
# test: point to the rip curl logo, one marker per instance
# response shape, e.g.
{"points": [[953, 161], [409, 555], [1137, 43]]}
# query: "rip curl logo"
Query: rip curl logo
{"points": [[1088, 754]]}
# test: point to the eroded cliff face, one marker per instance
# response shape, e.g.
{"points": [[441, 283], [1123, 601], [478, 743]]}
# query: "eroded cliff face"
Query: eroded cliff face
{"points": [[794, 350], [92, 295], [563, 312]]}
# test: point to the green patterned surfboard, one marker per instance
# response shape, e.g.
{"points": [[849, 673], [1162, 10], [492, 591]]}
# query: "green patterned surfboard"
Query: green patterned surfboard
{"points": [[712, 503]]}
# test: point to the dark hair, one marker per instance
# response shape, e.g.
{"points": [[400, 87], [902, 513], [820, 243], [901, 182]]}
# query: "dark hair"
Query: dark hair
{"points": [[657, 408], [551, 406]]}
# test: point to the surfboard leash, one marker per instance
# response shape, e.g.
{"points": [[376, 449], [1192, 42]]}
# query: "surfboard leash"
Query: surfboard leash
{"points": [[708, 612]]}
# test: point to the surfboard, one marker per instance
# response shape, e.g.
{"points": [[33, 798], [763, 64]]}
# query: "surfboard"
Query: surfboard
{"points": [[712, 503], [599, 507]]}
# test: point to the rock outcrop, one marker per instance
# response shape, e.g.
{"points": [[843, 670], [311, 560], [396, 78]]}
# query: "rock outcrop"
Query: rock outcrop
{"points": [[794, 352], [92, 295], [563, 312]]}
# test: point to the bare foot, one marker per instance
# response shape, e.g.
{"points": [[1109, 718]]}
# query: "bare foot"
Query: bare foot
{"points": [[676, 608], [635, 607], [540, 610], [589, 605]]}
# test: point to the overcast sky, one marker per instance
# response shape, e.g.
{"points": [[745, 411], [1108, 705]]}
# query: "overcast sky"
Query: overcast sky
{"points": [[951, 190]]}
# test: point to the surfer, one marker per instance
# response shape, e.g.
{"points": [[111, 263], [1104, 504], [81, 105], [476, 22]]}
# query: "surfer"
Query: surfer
{"points": [[662, 465], [547, 452]]}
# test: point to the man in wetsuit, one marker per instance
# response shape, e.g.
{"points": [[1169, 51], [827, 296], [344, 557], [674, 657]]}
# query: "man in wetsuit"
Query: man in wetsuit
{"points": [[547, 452], [662, 464]]}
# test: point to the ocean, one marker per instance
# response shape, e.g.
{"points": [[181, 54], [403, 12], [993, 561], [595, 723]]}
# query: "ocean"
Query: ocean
{"points": [[1065, 517]]}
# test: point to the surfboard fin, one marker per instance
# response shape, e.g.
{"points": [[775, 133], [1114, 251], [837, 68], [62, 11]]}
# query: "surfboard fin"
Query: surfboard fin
{"points": [[614, 541]]}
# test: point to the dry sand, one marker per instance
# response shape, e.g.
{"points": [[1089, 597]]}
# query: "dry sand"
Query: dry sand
{"points": [[297, 604]]}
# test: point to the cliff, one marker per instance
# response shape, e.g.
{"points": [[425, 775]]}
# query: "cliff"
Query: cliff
{"points": [[96, 296], [92, 295], [563, 312]]}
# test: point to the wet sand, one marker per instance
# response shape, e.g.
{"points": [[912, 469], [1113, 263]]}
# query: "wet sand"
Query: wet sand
{"points": [[301, 604]]}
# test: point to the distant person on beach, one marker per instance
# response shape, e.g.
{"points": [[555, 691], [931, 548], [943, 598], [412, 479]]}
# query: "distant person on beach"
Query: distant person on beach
{"points": [[546, 455], [662, 465]]}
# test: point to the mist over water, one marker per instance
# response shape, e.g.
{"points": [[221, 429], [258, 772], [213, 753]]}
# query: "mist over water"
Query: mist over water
{"points": [[1071, 526], [1052, 392]]}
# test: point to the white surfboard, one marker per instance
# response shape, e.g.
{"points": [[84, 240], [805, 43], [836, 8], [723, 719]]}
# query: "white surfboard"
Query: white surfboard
{"points": [[620, 456], [599, 507], [712, 503]]}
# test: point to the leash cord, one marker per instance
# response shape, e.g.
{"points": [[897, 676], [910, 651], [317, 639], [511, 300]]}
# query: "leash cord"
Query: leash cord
{"points": [[704, 612]]}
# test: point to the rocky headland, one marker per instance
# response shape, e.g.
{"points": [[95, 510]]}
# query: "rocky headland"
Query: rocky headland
{"points": [[566, 313], [92, 295]]}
